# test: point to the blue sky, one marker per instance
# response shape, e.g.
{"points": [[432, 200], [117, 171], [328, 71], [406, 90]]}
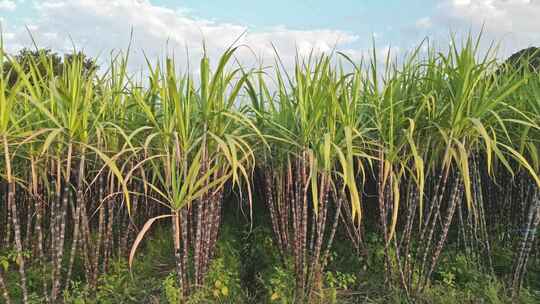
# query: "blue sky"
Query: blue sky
{"points": [[97, 26], [346, 14], [350, 15]]}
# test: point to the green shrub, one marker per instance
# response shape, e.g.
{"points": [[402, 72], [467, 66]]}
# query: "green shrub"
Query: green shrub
{"points": [[280, 285]]}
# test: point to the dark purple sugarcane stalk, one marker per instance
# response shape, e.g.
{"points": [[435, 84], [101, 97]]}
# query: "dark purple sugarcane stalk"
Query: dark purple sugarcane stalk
{"points": [[455, 196]]}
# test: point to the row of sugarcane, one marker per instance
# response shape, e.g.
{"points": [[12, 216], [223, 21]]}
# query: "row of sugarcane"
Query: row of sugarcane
{"points": [[446, 142]]}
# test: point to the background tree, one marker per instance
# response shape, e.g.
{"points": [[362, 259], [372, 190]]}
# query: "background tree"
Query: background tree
{"points": [[44, 60], [526, 57]]}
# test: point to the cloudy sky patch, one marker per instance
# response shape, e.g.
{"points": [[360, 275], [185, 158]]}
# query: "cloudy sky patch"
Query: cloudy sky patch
{"points": [[180, 27]]}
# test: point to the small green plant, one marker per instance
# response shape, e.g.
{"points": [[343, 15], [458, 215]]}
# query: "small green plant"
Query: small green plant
{"points": [[336, 280], [11, 257], [340, 280], [77, 293], [223, 282], [171, 290], [280, 286], [115, 286]]}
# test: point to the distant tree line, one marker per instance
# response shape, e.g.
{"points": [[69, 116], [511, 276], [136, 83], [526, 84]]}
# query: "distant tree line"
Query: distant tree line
{"points": [[528, 57], [525, 58], [43, 58]]}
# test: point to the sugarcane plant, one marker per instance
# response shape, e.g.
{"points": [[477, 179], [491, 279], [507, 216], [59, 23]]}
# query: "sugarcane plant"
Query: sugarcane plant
{"points": [[195, 143], [312, 125]]}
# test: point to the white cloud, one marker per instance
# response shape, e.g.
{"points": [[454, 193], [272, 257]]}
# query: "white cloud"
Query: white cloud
{"points": [[461, 2], [514, 22], [98, 26], [423, 23], [8, 5]]}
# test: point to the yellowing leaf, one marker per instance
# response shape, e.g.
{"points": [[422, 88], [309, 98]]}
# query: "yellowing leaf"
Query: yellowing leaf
{"points": [[225, 291]]}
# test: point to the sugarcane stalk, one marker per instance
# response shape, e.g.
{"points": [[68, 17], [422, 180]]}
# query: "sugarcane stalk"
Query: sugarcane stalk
{"points": [[455, 196], [15, 218], [177, 251]]}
